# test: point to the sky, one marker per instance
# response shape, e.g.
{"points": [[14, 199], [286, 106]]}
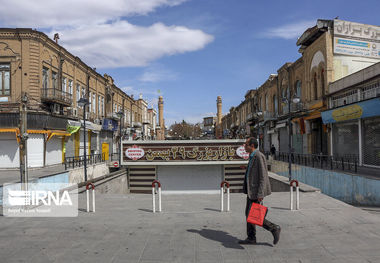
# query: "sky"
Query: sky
{"points": [[188, 51]]}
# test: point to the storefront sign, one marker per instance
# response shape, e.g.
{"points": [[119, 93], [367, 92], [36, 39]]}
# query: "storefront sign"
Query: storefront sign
{"points": [[109, 125], [134, 153], [356, 39], [358, 110], [184, 151]]}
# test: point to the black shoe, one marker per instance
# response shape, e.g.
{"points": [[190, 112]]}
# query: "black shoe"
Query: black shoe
{"points": [[276, 234], [247, 241]]}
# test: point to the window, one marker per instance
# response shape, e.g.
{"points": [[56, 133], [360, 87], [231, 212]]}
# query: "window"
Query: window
{"points": [[45, 78], [64, 83], [266, 102], [90, 100], [298, 89], [275, 104], [83, 93], [315, 86], [54, 80], [78, 92], [70, 87], [94, 102], [103, 110], [99, 105], [5, 79]]}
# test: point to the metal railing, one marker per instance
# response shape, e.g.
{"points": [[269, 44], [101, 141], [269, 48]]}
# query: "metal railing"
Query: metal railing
{"points": [[73, 162], [348, 162], [56, 95]]}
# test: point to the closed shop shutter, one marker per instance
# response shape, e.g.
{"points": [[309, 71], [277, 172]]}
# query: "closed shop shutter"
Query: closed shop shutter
{"points": [[371, 141], [266, 140], [284, 139], [54, 151], [70, 146], [35, 150], [9, 151], [346, 139]]}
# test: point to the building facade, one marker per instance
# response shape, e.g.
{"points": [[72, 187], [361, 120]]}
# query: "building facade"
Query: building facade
{"points": [[37, 72], [287, 107]]}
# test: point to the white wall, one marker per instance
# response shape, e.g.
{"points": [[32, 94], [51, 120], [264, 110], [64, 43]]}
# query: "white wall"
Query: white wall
{"points": [[346, 65], [9, 151], [54, 151]]}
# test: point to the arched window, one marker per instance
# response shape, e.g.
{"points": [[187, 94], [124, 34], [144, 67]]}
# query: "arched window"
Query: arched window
{"points": [[266, 102], [298, 88], [323, 81], [315, 86], [275, 104]]}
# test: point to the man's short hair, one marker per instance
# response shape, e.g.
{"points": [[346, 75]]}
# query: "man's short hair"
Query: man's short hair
{"points": [[253, 141]]}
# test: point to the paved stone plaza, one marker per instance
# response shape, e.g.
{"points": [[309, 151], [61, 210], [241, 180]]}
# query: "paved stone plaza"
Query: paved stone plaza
{"points": [[191, 229]]}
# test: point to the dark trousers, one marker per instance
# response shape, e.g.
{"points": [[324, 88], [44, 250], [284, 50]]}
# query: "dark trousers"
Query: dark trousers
{"points": [[251, 228]]}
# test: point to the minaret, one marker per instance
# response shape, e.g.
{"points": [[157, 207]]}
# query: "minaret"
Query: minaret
{"points": [[219, 110], [161, 133], [218, 126]]}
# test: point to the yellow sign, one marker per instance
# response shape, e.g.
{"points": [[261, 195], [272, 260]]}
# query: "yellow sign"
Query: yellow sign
{"points": [[347, 113]]}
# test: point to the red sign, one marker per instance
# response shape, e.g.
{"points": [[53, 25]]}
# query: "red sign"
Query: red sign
{"points": [[134, 153], [116, 164], [242, 153]]}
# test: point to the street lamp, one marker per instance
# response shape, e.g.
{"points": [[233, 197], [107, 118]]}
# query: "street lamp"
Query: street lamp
{"points": [[120, 114], [294, 100], [83, 102]]}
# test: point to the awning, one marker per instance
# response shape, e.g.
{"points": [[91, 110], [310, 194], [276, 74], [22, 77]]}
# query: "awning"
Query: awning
{"points": [[363, 109], [57, 133], [313, 115], [15, 130]]}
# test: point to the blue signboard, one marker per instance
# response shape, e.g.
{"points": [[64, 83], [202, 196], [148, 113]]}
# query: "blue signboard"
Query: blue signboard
{"points": [[364, 109], [109, 125]]}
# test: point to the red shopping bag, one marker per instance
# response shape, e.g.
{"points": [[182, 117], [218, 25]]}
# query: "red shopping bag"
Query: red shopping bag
{"points": [[257, 214]]}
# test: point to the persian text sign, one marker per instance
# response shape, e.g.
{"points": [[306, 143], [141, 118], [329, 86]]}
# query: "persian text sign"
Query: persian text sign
{"points": [[356, 39], [182, 152]]}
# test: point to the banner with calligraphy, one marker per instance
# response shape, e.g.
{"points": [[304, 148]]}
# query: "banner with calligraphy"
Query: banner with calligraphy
{"points": [[184, 151], [356, 39]]}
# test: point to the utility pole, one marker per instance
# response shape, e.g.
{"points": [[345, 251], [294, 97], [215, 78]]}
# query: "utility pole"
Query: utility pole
{"points": [[23, 142]]}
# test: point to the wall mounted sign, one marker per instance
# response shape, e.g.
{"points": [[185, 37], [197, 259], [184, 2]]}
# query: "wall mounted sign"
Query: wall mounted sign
{"points": [[184, 151], [134, 153]]}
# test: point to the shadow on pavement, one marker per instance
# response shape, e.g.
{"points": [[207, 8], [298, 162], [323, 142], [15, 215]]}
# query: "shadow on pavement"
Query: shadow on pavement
{"points": [[212, 209], [226, 239], [279, 208], [146, 210]]}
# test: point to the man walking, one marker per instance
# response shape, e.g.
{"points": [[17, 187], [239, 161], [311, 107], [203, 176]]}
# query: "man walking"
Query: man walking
{"points": [[257, 186]]}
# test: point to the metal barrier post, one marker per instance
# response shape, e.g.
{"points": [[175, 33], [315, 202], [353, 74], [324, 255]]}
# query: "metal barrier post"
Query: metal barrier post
{"points": [[222, 196], [159, 196], [297, 195], [88, 196]]}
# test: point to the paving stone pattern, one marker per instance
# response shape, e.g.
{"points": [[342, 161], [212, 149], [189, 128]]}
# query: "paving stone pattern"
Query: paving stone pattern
{"points": [[191, 229]]}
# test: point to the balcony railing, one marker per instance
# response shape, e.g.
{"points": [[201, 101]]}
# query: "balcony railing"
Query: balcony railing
{"points": [[58, 96]]}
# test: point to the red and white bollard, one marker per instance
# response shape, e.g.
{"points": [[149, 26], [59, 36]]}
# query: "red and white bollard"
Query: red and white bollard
{"points": [[88, 196], [222, 195], [159, 195], [297, 195]]}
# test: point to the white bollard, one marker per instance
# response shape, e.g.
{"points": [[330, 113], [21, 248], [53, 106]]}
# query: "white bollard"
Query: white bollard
{"points": [[154, 201], [222, 196], [221, 199], [297, 195], [159, 199], [228, 199], [159, 196], [88, 196]]}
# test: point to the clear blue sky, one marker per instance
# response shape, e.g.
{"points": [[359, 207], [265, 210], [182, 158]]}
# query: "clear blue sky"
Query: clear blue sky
{"points": [[189, 50]]}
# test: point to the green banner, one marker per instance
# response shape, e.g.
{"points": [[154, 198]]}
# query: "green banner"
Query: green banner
{"points": [[72, 129]]}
